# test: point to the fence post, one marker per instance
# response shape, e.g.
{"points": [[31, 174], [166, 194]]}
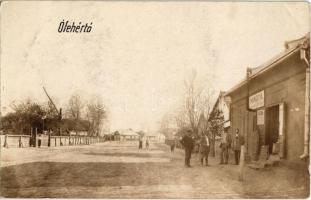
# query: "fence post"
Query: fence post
{"points": [[20, 144], [6, 141], [49, 139], [30, 139], [55, 141], [242, 163], [36, 132]]}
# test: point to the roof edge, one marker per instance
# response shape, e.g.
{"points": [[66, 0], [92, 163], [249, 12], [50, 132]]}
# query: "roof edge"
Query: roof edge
{"points": [[268, 66]]}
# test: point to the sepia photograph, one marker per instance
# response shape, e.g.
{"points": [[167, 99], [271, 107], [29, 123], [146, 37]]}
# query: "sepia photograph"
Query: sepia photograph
{"points": [[155, 99]]}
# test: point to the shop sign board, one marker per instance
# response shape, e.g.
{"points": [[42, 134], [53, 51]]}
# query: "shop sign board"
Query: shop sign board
{"points": [[257, 100]]}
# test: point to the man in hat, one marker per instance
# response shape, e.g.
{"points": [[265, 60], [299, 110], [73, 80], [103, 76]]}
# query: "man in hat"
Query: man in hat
{"points": [[188, 144]]}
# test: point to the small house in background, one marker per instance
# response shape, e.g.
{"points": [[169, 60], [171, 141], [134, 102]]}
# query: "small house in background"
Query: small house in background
{"points": [[78, 133], [151, 136], [116, 136], [161, 137], [155, 137], [125, 134]]}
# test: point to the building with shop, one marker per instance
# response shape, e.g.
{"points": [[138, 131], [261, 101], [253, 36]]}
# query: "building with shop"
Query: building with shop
{"points": [[270, 106]]}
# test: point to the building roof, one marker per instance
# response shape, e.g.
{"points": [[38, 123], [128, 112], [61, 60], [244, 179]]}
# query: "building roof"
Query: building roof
{"points": [[291, 47], [153, 134], [128, 132], [221, 95]]}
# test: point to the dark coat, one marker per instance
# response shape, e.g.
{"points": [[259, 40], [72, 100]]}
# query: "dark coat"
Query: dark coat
{"points": [[203, 141], [238, 142], [187, 142]]}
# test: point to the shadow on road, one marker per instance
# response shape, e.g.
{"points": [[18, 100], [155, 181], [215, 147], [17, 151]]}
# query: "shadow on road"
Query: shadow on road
{"points": [[138, 155]]}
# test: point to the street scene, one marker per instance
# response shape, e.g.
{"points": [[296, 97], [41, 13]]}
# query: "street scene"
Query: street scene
{"points": [[120, 170], [155, 100]]}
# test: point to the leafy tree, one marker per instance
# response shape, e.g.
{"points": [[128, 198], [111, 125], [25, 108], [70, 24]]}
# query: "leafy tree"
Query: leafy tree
{"points": [[216, 120], [26, 115]]}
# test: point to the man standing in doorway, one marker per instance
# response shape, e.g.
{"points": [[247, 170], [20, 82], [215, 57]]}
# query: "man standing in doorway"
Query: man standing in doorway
{"points": [[237, 143], [187, 143]]}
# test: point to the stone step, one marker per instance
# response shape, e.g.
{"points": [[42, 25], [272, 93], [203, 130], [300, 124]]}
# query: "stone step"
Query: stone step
{"points": [[263, 155], [273, 160]]}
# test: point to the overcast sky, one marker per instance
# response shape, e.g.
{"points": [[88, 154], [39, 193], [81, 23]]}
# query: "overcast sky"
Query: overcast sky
{"points": [[138, 53]]}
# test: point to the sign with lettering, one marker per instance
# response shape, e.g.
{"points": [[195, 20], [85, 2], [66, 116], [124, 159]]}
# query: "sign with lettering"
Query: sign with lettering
{"points": [[260, 117], [257, 100]]}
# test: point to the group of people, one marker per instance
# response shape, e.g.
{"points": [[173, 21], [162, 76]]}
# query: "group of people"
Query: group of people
{"points": [[140, 143], [226, 143]]}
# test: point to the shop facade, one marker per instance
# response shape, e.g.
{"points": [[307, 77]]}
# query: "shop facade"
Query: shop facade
{"points": [[270, 107]]}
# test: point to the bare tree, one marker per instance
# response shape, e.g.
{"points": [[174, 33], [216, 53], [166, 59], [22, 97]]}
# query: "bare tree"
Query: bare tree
{"points": [[75, 107], [96, 114], [168, 125], [197, 102], [181, 118]]}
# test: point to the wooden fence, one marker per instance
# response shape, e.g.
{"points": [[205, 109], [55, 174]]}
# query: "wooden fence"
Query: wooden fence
{"points": [[15, 141], [21, 141]]}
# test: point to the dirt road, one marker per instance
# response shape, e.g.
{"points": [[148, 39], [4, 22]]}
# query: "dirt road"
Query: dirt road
{"points": [[120, 170]]}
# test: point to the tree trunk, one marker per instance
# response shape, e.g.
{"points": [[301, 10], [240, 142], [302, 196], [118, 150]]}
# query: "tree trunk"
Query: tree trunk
{"points": [[213, 145]]}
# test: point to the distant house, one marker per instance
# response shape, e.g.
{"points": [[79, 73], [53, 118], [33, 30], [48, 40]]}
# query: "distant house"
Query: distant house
{"points": [[125, 134], [161, 137], [116, 136], [155, 137], [151, 136], [79, 133]]}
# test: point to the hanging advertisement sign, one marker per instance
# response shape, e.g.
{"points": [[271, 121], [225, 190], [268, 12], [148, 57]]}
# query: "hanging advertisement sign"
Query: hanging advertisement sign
{"points": [[260, 117]]}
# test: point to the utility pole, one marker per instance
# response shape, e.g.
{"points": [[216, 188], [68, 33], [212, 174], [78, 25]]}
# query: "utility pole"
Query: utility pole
{"points": [[58, 113]]}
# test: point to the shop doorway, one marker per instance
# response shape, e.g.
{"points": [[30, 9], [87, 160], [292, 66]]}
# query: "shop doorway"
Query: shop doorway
{"points": [[272, 127]]}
